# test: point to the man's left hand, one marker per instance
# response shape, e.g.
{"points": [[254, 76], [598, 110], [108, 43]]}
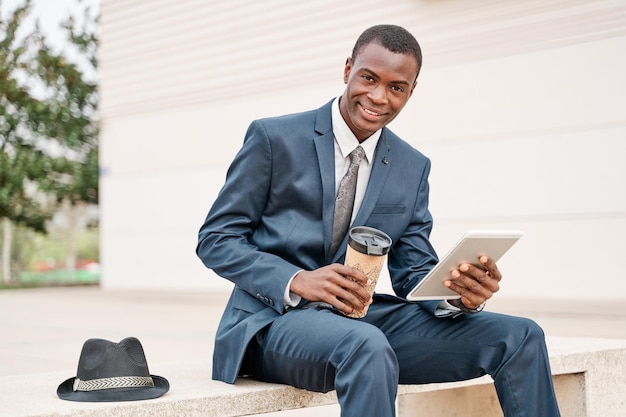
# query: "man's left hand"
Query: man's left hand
{"points": [[475, 284]]}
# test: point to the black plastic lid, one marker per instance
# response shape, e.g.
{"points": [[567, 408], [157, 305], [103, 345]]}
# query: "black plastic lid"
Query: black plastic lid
{"points": [[368, 240]]}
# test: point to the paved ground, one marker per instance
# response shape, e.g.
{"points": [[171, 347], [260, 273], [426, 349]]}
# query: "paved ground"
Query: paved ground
{"points": [[42, 330]]}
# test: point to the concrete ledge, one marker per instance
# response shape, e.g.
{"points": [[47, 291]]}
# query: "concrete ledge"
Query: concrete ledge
{"points": [[590, 377]]}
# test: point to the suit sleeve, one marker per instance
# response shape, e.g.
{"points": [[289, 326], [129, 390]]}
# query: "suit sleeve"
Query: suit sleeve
{"points": [[225, 239]]}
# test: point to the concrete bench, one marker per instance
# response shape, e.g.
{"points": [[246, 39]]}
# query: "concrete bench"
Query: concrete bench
{"points": [[589, 375]]}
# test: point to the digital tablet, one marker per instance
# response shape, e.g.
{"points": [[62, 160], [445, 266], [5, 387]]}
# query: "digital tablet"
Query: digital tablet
{"points": [[475, 243]]}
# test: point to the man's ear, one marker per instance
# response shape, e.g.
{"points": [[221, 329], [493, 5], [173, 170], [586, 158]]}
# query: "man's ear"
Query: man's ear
{"points": [[413, 87], [346, 70]]}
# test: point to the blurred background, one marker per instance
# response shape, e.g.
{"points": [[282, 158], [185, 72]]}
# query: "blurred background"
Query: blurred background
{"points": [[521, 106]]}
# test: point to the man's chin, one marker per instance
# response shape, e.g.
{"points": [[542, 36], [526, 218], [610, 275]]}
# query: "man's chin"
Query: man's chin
{"points": [[367, 129]]}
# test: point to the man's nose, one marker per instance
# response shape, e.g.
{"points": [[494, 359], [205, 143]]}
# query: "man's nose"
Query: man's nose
{"points": [[378, 94]]}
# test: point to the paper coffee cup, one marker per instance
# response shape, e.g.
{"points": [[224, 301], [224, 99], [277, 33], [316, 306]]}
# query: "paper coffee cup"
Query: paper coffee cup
{"points": [[367, 250]]}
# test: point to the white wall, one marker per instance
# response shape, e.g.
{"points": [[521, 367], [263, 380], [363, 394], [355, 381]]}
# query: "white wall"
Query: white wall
{"points": [[537, 142], [520, 106]]}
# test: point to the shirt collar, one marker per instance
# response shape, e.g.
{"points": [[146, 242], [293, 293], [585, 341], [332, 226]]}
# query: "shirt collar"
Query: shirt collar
{"points": [[346, 140]]}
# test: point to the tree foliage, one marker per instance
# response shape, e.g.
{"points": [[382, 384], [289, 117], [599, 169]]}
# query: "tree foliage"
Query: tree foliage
{"points": [[19, 110], [48, 120]]}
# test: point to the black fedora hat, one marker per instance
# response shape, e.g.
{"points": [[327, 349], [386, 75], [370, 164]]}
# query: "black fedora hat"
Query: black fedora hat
{"points": [[109, 371]]}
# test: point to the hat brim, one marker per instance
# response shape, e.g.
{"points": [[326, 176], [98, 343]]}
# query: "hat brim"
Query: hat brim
{"points": [[65, 391]]}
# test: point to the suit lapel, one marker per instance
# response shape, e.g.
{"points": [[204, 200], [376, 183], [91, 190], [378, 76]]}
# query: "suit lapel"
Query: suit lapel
{"points": [[325, 148], [383, 159]]}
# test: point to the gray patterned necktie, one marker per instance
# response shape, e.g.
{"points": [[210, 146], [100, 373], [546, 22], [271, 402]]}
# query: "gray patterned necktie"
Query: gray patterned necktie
{"points": [[345, 199]]}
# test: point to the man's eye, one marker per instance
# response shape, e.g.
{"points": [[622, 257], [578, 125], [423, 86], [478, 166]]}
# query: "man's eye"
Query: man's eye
{"points": [[398, 89], [367, 78]]}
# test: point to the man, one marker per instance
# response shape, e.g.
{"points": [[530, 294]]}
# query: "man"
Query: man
{"points": [[270, 232]]}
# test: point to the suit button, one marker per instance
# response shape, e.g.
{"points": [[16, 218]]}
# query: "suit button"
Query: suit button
{"points": [[265, 299]]}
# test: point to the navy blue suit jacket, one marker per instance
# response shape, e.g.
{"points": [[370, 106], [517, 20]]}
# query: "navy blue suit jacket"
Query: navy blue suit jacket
{"points": [[274, 217]]}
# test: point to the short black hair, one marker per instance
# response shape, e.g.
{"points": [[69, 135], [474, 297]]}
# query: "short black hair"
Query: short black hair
{"points": [[392, 37]]}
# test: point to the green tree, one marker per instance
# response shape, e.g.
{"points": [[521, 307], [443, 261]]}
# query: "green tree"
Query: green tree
{"points": [[48, 124], [72, 97], [18, 110]]}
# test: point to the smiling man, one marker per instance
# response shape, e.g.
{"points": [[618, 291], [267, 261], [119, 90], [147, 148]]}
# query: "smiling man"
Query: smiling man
{"points": [[273, 232]]}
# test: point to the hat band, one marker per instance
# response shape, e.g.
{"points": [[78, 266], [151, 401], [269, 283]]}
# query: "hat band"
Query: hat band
{"points": [[116, 382]]}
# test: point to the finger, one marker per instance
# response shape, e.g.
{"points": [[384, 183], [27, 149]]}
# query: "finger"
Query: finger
{"points": [[357, 288], [471, 287], [349, 304], [491, 267], [354, 274], [468, 298], [483, 277], [349, 294]]}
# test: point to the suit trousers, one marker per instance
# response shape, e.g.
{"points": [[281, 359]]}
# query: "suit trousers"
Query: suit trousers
{"points": [[399, 342]]}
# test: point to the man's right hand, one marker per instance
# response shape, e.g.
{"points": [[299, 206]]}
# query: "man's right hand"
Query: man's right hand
{"points": [[335, 284]]}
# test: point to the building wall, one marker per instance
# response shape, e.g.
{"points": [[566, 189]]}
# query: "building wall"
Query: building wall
{"points": [[520, 105]]}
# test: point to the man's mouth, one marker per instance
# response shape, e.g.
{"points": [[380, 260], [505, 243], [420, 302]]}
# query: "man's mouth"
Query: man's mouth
{"points": [[371, 112]]}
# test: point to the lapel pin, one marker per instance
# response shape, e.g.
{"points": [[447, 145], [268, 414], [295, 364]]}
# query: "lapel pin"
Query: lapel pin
{"points": [[385, 160]]}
